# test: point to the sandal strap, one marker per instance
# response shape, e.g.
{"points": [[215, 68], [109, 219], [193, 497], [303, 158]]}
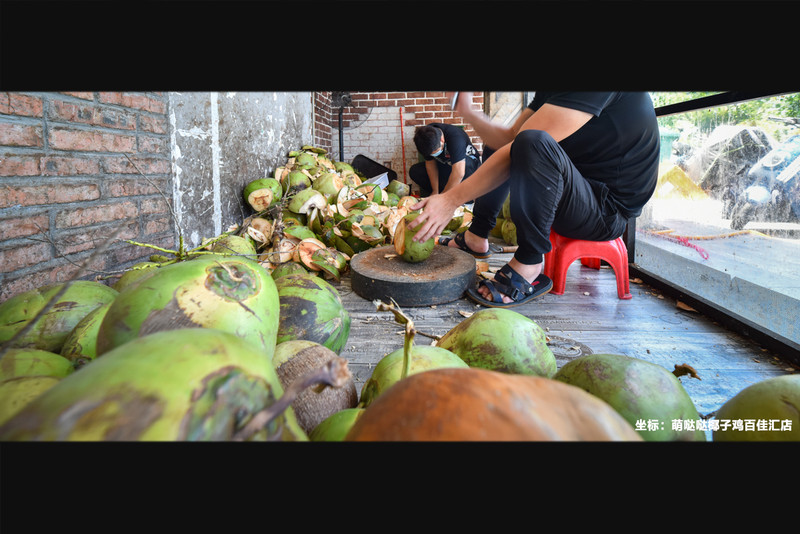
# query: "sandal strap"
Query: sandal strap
{"points": [[497, 296], [461, 241], [515, 287]]}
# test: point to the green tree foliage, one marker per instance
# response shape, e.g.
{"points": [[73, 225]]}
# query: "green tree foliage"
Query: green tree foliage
{"points": [[750, 113]]}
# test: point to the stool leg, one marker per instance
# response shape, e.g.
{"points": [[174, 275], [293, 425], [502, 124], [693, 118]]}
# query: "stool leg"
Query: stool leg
{"points": [[621, 270]]}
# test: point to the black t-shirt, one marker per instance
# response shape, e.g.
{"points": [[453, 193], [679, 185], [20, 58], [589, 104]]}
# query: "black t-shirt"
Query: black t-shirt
{"points": [[457, 145], [619, 146]]}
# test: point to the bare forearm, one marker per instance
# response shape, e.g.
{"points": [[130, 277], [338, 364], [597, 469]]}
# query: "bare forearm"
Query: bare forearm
{"points": [[433, 176], [493, 134], [456, 175]]}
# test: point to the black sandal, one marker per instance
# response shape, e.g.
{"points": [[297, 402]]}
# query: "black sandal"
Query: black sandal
{"points": [[462, 244], [510, 283]]}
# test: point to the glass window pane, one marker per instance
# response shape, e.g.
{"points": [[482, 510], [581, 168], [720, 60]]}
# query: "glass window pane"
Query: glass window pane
{"points": [[724, 222]]}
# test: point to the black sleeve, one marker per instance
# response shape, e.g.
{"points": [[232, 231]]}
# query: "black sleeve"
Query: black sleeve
{"points": [[456, 140], [590, 102]]}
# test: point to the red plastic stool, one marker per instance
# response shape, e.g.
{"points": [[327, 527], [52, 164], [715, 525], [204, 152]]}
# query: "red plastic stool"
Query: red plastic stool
{"points": [[565, 251]]}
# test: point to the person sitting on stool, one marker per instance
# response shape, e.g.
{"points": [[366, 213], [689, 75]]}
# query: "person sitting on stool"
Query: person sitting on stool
{"points": [[449, 157]]}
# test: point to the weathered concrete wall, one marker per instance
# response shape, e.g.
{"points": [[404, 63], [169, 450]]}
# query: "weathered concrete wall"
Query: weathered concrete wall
{"points": [[221, 141]]}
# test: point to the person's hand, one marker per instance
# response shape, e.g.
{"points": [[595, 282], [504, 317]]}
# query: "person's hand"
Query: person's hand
{"points": [[464, 103], [437, 211]]}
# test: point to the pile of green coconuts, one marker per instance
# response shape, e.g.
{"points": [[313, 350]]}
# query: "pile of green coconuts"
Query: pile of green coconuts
{"points": [[240, 340]]}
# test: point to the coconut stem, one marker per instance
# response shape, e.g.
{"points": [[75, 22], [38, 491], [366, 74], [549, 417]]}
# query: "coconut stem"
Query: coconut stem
{"points": [[408, 342], [333, 373]]}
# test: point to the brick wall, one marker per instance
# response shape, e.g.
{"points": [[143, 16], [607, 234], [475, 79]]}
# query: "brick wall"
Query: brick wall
{"points": [[372, 125], [75, 167], [326, 120]]}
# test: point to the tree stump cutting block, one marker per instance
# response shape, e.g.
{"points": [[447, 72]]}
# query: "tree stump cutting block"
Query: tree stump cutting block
{"points": [[379, 273]]}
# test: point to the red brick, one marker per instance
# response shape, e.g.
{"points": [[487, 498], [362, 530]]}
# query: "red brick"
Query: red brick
{"points": [[23, 256], [154, 205], [23, 226], [96, 214], [89, 140], [22, 105], [46, 276], [126, 252], [20, 134], [29, 282], [128, 187], [78, 94], [116, 165], [61, 110], [51, 193], [152, 145], [153, 124], [68, 166], [19, 165], [94, 238], [135, 101], [158, 226]]}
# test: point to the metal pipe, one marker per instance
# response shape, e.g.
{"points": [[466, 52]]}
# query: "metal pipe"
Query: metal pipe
{"points": [[341, 135]]}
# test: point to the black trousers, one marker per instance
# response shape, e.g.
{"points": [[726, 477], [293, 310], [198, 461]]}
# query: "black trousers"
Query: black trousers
{"points": [[547, 192], [419, 174]]}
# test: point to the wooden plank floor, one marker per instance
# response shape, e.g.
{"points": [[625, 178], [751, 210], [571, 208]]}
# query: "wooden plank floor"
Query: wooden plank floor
{"points": [[588, 318]]}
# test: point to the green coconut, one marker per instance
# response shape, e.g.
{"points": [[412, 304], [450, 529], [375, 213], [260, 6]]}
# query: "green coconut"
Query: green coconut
{"points": [[305, 160], [52, 328], [315, 149], [647, 395], [234, 244], [295, 358], [404, 244], [290, 267], [305, 200], [509, 232], [389, 369], [295, 181], [229, 293], [260, 194], [329, 184], [330, 261], [335, 427], [27, 373], [311, 309], [373, 192], [80, 347], [501, 340], [768, 410], [341, 166], [398, 188], [457, 220], [497, 230], [17, 363], [137, 272], [16, 393], [192, 384], [391, 199], [299, 231]]}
